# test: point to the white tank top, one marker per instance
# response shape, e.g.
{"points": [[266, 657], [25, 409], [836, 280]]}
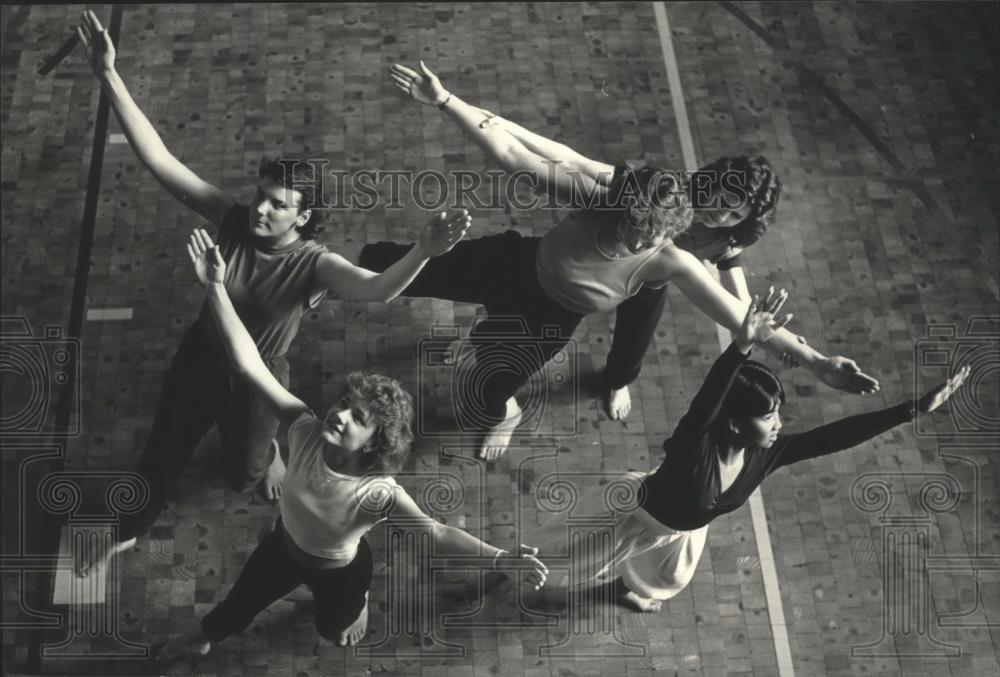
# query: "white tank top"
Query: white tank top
{"points": [[573, 270], [324, 512]]}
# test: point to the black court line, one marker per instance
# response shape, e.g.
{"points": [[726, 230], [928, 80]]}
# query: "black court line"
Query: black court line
{"points": [[52, 525], [809, 76]]}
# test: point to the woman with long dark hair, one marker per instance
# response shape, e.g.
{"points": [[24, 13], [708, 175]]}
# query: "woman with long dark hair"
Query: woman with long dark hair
{"points": [[729, 441]]}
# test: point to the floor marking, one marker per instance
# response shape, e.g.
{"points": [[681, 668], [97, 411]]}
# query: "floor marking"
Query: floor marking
{"points": [[108, 314], [117, 139], [772, 591]]}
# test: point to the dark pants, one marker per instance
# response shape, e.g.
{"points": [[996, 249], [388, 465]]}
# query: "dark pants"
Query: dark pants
{"points": [[635, 322], [200, 389], [523, 328], [272, 573]]}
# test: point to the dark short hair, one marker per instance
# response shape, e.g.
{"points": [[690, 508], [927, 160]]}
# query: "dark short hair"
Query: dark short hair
{"points": [[754, 179], [299, 174], [755, 391], [391, 408], [653, 201]]}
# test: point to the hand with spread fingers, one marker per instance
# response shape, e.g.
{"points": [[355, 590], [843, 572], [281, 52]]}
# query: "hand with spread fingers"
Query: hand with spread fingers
{"points": [[97, 42], [424, 86], [760, 322], [443, 232], [207, 260]]}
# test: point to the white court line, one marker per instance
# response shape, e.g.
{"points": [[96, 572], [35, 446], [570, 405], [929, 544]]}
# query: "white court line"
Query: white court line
{"points": [[108, 314], [772, 592]]}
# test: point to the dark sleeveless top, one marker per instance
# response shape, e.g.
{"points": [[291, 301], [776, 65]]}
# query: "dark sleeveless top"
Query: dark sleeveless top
{"points": [[270, 286]]}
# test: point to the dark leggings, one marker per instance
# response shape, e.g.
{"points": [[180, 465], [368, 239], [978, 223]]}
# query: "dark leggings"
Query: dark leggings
{"points": [[200, 389], [272, 573], [635, 323], [523, 328]]}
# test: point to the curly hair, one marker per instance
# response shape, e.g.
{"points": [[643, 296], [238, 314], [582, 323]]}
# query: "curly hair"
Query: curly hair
{"points": [[653, 201], [299, 174], [391, 408], [751, 178], [755, 391]]}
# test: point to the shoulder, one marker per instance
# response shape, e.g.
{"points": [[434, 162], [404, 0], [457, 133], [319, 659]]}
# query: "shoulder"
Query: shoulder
{"points": [[672, 260], [378, 494], [303, 428]]}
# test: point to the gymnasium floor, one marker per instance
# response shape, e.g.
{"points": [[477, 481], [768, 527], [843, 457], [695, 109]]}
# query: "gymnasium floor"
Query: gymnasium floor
{"points": [[881, 119]]}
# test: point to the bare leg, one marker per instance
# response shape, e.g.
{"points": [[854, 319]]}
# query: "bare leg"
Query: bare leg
{"points": [[270, 486], [498, 438]]}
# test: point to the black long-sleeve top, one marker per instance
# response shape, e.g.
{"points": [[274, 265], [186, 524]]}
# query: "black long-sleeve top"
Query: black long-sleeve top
{"points": [[684, 493]]}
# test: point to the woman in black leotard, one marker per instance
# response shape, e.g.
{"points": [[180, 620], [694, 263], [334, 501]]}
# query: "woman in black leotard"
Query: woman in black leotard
{"points": [[723, 448]]}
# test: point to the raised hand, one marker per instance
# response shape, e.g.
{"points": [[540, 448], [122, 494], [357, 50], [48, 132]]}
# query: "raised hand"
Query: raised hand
{"points": [[937, 396], [205, 256], [759, 324], [443, 232], [424, 86], [844, 374], [97, 42], [525, 557]]}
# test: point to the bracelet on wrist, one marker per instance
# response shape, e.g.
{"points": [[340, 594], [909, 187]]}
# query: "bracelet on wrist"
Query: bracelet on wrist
{"points": [[496, 557], [444, 103]]}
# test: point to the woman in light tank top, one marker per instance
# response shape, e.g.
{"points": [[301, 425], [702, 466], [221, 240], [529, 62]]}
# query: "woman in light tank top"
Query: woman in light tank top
{"points": [[618, 243], [277, 271], [339, 486]]}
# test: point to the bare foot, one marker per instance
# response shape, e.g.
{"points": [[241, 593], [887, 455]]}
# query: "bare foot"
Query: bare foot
{"points": [[618, 403], [86, 560], [270, 486], [637, 603], [353, 634], [187, 645], [497, 438]]}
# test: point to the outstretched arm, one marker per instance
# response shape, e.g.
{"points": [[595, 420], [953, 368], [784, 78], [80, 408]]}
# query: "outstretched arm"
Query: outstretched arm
{"points": [[705, 293], [242, 351], [851, 431], [600, 172], [348, 281], [502, 147], [451, 541], [193, 191]]}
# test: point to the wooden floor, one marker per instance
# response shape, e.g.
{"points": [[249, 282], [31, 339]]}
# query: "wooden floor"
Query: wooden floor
{"points": [[882, 120]]}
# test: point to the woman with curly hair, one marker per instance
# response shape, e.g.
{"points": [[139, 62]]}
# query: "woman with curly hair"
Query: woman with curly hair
{"points": [[733, 198], [729, 441], [617, 243], [277, 271], [339, 485]]}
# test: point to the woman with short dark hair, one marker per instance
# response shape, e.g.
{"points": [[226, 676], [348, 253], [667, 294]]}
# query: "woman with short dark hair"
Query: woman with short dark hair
{"points": [[276, 272]]}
